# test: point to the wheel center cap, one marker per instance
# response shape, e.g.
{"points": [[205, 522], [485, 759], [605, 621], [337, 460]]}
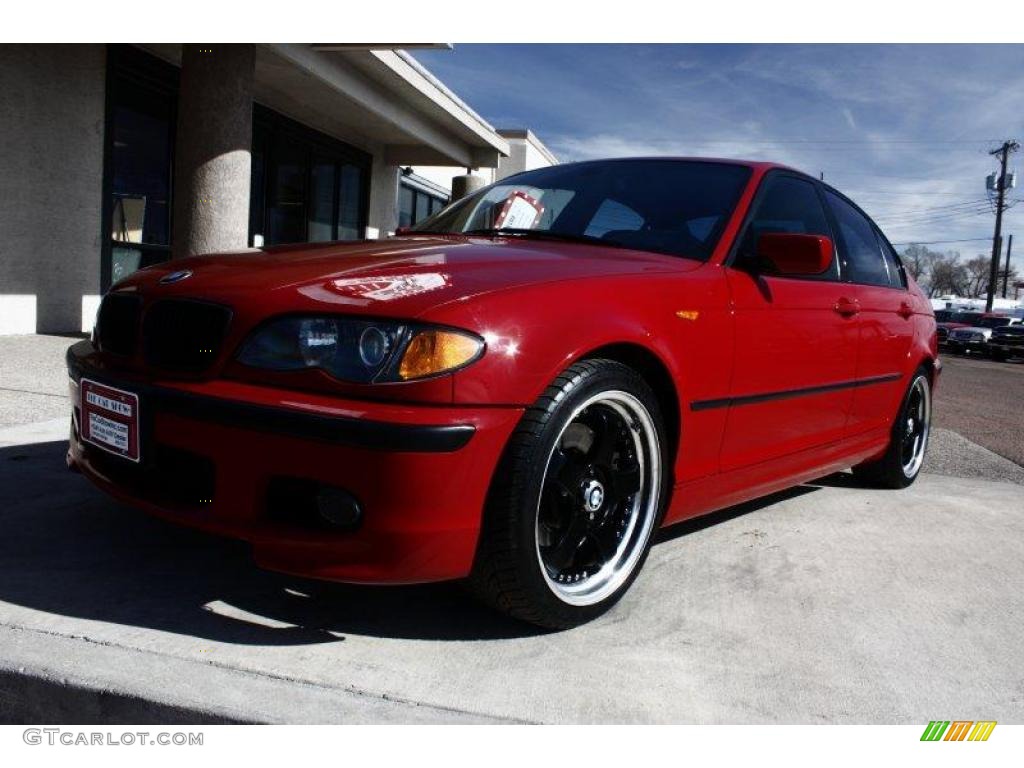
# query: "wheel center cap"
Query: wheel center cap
{"points": [[593, 496]]}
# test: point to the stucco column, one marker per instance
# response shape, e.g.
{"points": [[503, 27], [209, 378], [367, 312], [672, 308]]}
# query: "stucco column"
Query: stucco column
{"points": [[466, 185], [213, 165]]}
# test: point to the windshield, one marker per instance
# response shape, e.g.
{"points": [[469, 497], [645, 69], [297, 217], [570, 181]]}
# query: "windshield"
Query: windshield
{"points": [[967, 317], [993, 322], [678, 207]]}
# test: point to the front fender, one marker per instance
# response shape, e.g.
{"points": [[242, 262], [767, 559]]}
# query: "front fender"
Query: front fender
{"points": [[535, 333]]}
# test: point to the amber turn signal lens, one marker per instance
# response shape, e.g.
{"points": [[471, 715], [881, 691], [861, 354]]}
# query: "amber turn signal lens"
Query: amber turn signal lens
{"points": [[433, 352]]}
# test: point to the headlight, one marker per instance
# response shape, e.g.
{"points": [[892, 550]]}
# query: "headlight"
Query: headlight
{"points": [[362, 351]]}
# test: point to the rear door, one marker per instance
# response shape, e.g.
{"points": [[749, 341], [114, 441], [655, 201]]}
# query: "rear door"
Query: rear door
{"points": [[885, 320], [796, 338]]}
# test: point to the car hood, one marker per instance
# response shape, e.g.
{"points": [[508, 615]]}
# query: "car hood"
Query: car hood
{"points": [[403, 276], [972, 328]]}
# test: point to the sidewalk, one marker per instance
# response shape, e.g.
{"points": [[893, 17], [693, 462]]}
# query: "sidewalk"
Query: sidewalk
{"points": [[33, 379]]}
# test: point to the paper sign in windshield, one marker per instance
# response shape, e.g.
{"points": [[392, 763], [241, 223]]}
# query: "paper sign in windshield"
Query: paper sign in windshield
{"points": [[519, 212]]}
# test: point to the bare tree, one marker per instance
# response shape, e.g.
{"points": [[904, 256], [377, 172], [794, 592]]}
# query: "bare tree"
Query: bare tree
{"points": [[977, 276], [918, 261], [948, 276]]}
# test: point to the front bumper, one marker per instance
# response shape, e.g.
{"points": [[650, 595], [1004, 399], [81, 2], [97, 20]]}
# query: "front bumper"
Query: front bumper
{"points": [[972, 345], [1010, 350], [420, 473]]}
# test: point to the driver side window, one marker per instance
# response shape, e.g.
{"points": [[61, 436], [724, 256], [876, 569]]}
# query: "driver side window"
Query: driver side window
{"points": [[792, 206]]}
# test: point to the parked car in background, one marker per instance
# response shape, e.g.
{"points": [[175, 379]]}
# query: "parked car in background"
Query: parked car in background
{"points": [[948, 319], [520, 390], [975, 338], [1007, 341]]}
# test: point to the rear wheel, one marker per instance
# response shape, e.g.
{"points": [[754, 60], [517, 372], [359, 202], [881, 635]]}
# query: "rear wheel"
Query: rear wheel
{"points": [[576, 499], [902, 462]]}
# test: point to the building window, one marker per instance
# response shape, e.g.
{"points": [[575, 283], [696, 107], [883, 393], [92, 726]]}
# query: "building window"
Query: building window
{"points": [[415, 203], [306, 186], [141, 111]]}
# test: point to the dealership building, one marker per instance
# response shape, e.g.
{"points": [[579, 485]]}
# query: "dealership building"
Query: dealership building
{"points": [[113, 158]]}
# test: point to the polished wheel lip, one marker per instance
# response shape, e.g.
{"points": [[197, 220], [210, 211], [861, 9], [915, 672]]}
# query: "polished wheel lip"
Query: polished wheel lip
{"points": [[916, 427], [616, 571]]}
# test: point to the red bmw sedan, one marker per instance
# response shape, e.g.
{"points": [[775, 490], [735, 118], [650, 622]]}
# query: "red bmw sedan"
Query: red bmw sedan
{"points": [[520, 390]]}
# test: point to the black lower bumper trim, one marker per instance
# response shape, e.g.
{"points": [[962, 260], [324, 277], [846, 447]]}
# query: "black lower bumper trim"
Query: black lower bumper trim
{"points": [[340, 430]]}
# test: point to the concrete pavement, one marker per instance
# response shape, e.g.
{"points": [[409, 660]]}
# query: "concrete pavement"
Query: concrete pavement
{"points": [[33, 378], [824, 604]]}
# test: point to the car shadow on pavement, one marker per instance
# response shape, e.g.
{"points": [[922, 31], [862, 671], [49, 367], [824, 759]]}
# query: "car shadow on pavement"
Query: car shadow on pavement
{"points": [[68, 550], [693, 525]]}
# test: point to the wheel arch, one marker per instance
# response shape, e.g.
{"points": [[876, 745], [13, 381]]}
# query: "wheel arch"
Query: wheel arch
{"points": [[656, 373], [928, 363]]}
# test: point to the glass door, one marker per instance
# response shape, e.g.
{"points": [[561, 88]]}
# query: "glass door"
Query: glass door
{"points": [[140, 161]]}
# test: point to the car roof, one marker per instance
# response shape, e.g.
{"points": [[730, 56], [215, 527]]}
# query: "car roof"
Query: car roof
{"points": [[761, 165]]}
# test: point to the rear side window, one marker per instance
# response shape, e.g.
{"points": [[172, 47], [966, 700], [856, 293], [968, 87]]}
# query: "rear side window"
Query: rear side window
{"points": [[897, 276], [792, 206], [863, 254]]}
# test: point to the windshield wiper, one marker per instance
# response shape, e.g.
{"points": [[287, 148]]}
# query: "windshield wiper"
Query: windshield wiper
{"points": [[545, 234]]}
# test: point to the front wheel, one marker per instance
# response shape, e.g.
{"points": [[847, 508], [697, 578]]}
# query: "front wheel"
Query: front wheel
{"points": [[902, 462], [576, 498]]}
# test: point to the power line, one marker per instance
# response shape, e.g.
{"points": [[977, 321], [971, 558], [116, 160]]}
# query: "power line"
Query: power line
{"points": [[964, 142], [909, 216], [936, 216], [873, 174], [948, 206], [945, 242], [903, 194]]}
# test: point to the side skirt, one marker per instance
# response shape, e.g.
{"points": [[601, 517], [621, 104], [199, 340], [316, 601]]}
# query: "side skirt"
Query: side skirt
{"points": [[709, 494]]}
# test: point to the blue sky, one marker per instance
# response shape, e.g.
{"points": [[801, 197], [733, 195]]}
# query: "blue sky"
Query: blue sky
{"points": [[904, 130]]}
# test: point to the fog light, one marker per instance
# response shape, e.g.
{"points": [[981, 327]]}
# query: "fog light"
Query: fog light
{"points": [[299, 502], [338, 508]]}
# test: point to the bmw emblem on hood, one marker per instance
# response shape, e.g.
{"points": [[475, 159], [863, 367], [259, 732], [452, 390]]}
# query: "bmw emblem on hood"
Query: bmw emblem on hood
{"points": [[176, 277]]}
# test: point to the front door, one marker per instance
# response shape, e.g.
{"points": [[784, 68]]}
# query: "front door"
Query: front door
{"points": [[796, 339]]}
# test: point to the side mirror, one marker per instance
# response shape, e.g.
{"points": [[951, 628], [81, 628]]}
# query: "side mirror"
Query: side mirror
{"points": [[796, 254]]}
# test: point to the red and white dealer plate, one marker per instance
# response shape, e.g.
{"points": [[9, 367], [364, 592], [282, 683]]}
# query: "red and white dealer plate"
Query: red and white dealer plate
{"points": [[110, 419]]}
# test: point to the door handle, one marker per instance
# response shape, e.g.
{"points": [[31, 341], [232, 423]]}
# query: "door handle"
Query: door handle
{"points": [[847, 307], [905, 311]]}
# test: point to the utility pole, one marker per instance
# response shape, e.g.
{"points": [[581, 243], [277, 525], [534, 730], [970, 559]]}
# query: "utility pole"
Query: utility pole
{"points": [[1006, 269], [1004, 154]]}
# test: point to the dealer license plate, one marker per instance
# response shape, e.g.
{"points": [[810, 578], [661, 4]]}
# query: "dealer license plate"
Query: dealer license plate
{"points": [[110, 419]]}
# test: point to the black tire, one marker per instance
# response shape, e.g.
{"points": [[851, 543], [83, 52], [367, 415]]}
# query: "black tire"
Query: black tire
{"points": [[510, 572], [891, 470], [998, 355]]}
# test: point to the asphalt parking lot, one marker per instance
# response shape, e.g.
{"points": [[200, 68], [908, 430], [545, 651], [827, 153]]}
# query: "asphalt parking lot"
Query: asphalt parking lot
{"points": [[828, 603], [984, 401]]}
